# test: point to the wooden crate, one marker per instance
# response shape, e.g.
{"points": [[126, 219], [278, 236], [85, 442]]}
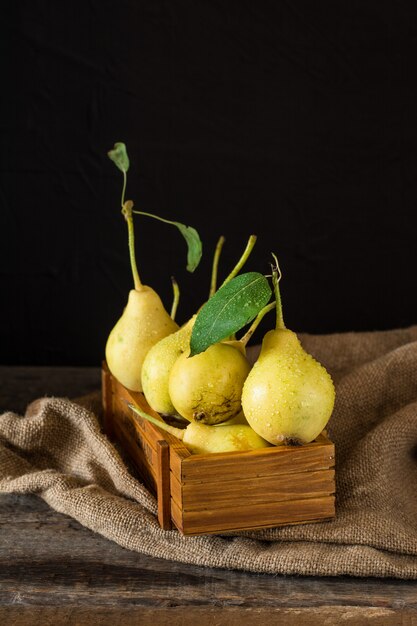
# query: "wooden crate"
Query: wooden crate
{"points": [[228, 491]]}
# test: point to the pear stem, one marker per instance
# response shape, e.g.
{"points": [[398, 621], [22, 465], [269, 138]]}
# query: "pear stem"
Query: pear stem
{"points": [[244, 340], [242, 260], [124, 187], [176, 299], [127, 214], [177, 432], [217, 252], [276, 277]]}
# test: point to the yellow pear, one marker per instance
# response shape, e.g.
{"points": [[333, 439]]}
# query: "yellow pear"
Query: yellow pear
{"points": [[288, 396], [144, 320], [203, 439], [143, 323], [157, 366], [207, 387]]}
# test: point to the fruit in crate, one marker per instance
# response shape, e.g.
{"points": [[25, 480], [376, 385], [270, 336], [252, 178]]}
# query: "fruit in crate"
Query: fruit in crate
{"points": [[288, 397], [200, 371], [171, 381], [205, 383], [207, 387], [157, 367], [144, 322], [202, 439]]}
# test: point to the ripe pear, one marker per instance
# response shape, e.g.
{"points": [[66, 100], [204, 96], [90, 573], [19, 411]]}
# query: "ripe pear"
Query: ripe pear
{"points": [[207, 387], [157, 366], [288, 396], [203, 439], [143, 323]]}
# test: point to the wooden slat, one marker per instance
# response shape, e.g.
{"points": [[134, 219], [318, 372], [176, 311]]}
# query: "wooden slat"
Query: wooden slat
{"points": [[178, 454], [163, 485], [145, 434], [140, 439], [149, 430], [176, 489], [258, 516], [137, 456], [152, 432], [255, 490], [275, 460], [176, 516]]}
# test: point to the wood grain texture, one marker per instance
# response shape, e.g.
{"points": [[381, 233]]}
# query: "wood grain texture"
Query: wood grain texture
{"points": [[266, 461], [254, 516], [54, 571], [255, 490], [49, 560], [20, 385], [213, 616], [163, 486]]}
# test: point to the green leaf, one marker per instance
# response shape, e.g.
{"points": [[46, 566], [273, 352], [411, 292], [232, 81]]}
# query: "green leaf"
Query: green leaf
{"points": [[195, 248], [233, 306], [191, 236], [119, 156]]}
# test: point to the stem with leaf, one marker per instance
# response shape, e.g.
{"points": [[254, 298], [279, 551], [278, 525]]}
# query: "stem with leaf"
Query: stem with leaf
{"points": [[119, 156], [190, 235]]}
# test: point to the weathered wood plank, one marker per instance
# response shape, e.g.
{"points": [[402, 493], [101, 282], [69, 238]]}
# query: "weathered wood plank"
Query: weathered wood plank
{"points": [[21, 385], [48, 559], [220, 616]]}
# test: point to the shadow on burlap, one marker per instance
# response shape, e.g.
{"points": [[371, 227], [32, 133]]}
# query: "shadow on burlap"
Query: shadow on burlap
{"points": [[57, 451]]}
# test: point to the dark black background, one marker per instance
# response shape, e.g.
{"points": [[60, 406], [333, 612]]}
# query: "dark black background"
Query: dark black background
{"points": [[295, 121]]}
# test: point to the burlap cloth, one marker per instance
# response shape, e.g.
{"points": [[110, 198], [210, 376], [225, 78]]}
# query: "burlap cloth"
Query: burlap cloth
{"points": [[57, 451]]}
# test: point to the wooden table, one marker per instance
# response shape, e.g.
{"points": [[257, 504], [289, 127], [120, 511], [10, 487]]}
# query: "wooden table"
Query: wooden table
{"points": [[55, 571]]}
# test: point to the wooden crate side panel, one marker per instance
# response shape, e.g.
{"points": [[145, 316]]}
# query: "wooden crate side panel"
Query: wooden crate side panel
{"points": [[147, 434], [254, 490], [163, 486], [145, 469], [258, 516], [119, 395], [145, 444], [277, 460], [176, 516], [122, 396], [139, 438], [176, 489]]}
